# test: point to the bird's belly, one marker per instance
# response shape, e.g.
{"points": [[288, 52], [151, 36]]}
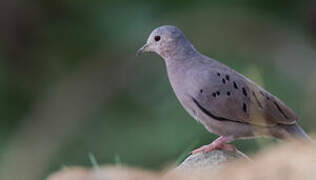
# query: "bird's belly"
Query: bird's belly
{"points": [[212, 125], [218, 127], [225, 128]]}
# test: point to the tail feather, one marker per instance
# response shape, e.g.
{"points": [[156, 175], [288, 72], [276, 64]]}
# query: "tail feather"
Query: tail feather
{"points": [[295, 131]]}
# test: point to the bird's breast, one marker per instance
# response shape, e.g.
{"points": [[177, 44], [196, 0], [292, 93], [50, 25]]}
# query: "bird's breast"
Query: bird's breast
{"points": [[184, 85]]}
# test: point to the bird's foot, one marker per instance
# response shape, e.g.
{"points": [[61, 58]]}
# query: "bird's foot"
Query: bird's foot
{"points": [[219, 143], [211, 147]]}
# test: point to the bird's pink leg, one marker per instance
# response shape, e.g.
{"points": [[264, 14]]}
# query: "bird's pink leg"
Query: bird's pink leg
{"points": [[219, 143]]}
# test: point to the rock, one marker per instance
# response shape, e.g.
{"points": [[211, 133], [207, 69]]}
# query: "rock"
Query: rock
{"points": [[210, 160]]}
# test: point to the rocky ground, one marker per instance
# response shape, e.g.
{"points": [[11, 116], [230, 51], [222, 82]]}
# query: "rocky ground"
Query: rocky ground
{"points": [[283, 162]]}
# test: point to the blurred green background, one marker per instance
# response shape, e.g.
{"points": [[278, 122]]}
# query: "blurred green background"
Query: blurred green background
{"points": [[70, 83]]}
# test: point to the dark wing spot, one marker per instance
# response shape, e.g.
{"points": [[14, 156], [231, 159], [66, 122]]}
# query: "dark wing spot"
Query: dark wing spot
{"points": [[244, 91], [227, 77], [257, 100], [244, 107], [218, 93], [224, 81], [214, 94], [280, 110], [193, 111], [201, 90], [218, 74], [235, 85], [267, 96], [228, 93]]}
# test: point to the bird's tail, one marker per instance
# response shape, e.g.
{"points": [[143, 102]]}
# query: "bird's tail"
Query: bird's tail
{"points": [[295, 131]]}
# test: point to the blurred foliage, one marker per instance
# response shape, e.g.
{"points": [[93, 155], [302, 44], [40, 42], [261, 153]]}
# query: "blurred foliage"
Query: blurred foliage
{"points": [[70, 83]]}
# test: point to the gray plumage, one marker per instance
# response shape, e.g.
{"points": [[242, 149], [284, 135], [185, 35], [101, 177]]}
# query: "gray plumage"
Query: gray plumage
{"points": [[227, 103]]}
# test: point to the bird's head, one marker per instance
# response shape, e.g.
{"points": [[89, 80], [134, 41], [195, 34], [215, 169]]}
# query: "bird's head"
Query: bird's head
{"points": [[164, 41]]}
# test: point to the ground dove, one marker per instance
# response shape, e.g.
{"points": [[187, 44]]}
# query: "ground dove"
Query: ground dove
{"points": [[227, 103]]}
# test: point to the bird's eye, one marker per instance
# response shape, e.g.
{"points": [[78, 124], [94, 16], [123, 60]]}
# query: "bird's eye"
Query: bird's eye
{"points": [[157, 38]]}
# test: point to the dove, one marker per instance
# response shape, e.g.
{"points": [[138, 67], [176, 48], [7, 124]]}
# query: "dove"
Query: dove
{"points": [[226, 102]]}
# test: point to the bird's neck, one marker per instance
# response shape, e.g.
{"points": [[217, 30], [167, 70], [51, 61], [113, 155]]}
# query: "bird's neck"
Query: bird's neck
{"points": [[180, 51]]}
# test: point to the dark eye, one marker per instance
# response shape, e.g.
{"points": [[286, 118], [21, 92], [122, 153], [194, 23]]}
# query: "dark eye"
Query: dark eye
{"points": [[157, 38]]}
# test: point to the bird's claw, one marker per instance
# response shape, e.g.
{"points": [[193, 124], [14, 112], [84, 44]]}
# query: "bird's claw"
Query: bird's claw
{"points": [[212, 146]]}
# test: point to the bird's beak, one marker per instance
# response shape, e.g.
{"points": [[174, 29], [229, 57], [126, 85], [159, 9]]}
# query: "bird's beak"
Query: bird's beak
{"points": [[142, 50]]}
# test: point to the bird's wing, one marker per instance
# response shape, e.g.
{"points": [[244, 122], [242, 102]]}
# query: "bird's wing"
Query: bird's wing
{"points": [[231, 96]]}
